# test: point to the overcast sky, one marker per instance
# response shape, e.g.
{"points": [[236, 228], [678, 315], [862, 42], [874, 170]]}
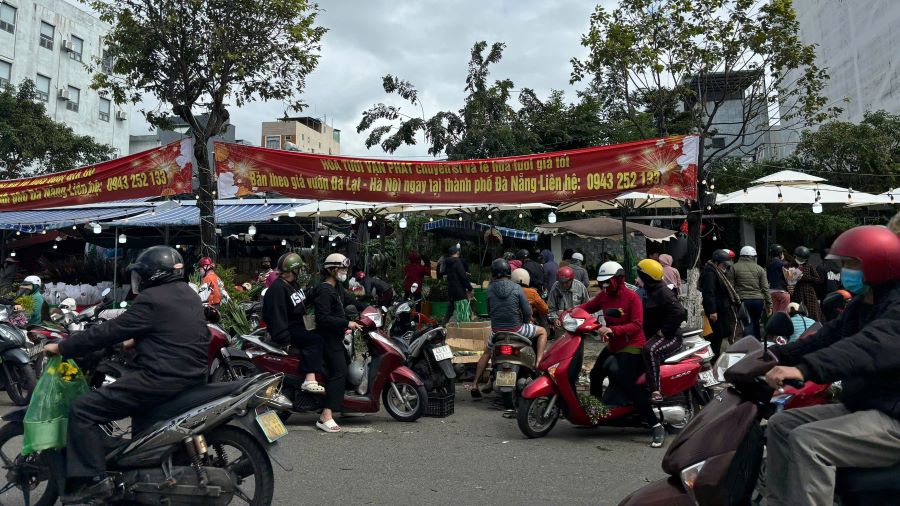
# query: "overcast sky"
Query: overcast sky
{"points": [[426, 42]]}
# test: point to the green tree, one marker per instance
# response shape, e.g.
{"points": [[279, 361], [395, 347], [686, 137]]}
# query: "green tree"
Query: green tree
{"points": [[31, 143], [716, 57], [200, 56]]}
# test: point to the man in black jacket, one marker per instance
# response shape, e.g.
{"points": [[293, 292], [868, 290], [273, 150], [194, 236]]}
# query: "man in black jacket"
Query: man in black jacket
{"points": [[862, 350], [720, 299], [170, 336], [458, 285], [535, 270]]}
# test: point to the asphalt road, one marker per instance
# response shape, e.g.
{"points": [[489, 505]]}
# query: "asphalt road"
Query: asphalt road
{"points": [[474, 456]]}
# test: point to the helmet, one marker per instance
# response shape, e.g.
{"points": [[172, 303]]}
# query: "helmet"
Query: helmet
{"points": [[748, 251], [32, 280], [875, 246], [522, 254], [720, 256], [289, 262], [610, 269], [355, 372], [521, 277], [801, 252], [68, 304], [500, 269], [731, 254], [360, 275], [565, 274], [336, 261], [156, 265], [578, 257], [651, 268], [206, 262], [776, 250]]}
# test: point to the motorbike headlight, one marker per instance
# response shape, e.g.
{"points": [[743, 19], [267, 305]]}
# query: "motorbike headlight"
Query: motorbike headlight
{"points": [[273, 389], [689, 478], [725, 361], [572, 324], [551, 371]]}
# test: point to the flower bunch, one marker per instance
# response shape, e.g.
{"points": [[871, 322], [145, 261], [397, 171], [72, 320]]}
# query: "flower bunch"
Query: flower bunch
{"points": [[593, 407], [68, 372]]}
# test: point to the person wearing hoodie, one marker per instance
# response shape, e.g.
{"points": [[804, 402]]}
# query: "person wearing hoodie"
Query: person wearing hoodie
{"points": [[509, 311], [550, 268], [534, 268], [671, 276], [414, 272], [577, 265]]}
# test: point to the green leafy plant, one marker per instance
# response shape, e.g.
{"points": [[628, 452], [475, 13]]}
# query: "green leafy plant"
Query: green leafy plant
{"points": [[593, 407], [234, 318], [27, 303], [436, 290]]}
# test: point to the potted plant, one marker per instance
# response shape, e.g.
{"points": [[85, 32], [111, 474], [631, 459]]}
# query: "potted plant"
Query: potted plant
{"points": [[436, 298]]}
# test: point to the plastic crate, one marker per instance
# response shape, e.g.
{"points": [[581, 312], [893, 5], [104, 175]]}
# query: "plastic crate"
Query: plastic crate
{"points": [[440, 405]]}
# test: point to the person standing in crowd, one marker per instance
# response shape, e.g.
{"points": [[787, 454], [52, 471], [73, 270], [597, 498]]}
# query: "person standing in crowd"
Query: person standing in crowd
{"points": [[375, 289], [415, 272], [752, 285], [777, 284], [581, 273], [539, 308], [8, 273], [567, 257], [265, 268], [284, 307], [534, 268], [565, 294], [210, 280], [458, 286], [331, 324], [671, 276], [550, 268], [805, 291], [720, 299]]}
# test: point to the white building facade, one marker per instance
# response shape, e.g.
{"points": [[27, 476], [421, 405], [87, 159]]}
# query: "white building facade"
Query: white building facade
{"points": [[50, 42]]}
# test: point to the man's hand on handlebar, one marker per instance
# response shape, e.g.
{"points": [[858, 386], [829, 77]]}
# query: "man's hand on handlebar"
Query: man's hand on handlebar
{"points": [[603, 334], [779, 375], [51, 349], [353, 325]]}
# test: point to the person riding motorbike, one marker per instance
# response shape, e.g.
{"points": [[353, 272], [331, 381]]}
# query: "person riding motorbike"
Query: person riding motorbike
{"points": [[624, 334], [539, 308], [565, 294], [331, 324], [375, 289], [31, 287], [509, 311], [211, 279], [168, 325], [834, 304], [862, 350], [534, 268], [284, 306]]}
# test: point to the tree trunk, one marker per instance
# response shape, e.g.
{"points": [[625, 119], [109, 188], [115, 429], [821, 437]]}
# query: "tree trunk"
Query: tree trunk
{"points": [[206, 203]]}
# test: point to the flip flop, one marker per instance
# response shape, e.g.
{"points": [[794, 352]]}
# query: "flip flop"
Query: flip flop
{"points": [[312, 387], [329, 426]]}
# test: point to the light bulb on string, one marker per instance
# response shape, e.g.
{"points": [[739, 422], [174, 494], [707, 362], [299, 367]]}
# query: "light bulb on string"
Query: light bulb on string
{"points": [[582, 208], [12, 254], [378, 236], [714, 238], [122, 239], [18, 232], [177, 246], [460, 217], [74, 227], [402, 223], [891, 196], [97, 228], [709, 208], [353, 220], [369, 223], [55, 246], [292, 213], [430, 219], [520, 216], [251, 231], [817, 207], [58, 238], [284, 242], [490, 217], [745, 192], [44, 232], [551, 217], [275, 218]]}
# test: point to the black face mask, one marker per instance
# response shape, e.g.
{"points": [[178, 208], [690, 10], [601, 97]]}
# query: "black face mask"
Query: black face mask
{"points": [[24, 290], [647, 280]]}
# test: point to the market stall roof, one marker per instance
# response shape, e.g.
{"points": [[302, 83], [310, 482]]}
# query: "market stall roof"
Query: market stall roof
{"points": [[476, 227], [227, 211], [332, 208], [38, 220], [797, 193], [634, 200], [603, 227], [886, 199]]}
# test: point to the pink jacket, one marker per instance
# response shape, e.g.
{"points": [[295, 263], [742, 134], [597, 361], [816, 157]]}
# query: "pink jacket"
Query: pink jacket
{"points": [[670, 274]]}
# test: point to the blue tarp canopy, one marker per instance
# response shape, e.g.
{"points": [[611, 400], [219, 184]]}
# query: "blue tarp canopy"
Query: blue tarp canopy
{"points": [[37, 220], [476, 227], [227, 212]]}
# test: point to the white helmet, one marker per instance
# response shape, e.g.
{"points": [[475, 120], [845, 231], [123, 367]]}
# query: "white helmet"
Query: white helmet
{"points": [[336, 260], [32, 280], [578, 257], [748, 251], [521, 277], [610, 269], [67, 305]]}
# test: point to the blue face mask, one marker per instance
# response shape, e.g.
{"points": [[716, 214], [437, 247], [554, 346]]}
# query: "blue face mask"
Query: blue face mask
{"points": [[852, 279]]}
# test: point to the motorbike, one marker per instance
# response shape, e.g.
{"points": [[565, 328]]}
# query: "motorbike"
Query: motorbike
{"points": [[513, 365], [380, 376], [553, 394], [16, 374], [704, 468], [424, 344]]}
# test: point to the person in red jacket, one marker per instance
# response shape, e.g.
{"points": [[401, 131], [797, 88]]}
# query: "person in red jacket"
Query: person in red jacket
{"points": [[621, 360]]}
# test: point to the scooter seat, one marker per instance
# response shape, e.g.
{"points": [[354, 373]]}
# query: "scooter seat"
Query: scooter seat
{"points": [[859, 480], [510, 336], [194, 397]]}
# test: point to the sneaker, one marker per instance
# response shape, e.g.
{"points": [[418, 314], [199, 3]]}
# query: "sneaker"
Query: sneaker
{"points": [[90, 491], [659, 436]]}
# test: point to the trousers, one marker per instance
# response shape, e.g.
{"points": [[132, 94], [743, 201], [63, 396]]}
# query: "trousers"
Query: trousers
{"points": [[623, 370], [805, 446], [657, 349], [336, 364], [310, 345], [132, 395], [755, 308]]}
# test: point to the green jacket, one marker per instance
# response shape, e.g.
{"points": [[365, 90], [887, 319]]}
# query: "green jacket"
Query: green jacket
{"points": [[750, 281], [35, 317]]}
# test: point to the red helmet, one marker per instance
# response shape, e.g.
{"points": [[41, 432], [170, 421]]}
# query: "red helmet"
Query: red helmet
{"points": [[876, 247], [206, 262], [360, 275], [565, 274]]}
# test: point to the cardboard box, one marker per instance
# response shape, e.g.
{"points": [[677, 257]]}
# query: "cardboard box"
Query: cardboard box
{"points": [[468, 337]]}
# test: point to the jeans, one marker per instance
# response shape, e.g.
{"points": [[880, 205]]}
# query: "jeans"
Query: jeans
{"points": [[755, 309]]}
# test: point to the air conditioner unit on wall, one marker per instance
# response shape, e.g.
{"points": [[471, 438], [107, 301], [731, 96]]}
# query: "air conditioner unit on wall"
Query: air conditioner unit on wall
{"points": [[63, 94], [121, 115], [68, 46]]}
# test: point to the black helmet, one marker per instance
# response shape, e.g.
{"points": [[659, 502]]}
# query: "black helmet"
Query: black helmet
{"points": [[522, 254], [500, 269], [802, 252], [156, 265], [776, 250], [721, 256]]}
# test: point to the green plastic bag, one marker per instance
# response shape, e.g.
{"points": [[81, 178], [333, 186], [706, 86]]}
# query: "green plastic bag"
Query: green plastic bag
{"points": [[461, 311], [47, 418]]}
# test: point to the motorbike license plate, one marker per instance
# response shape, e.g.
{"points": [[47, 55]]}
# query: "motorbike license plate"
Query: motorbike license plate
{"points": [[272, 426], [506, 378], [708, 378], [442, 353]]}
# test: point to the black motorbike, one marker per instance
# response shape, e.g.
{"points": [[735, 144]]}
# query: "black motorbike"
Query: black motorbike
{"points": [[426, 350], [16, 374]]}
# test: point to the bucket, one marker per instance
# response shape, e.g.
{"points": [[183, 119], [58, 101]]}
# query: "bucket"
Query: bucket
{"points": [[481, 305], [439, 309]]}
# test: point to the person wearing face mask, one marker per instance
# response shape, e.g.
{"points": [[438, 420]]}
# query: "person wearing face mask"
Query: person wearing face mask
{"points": [[805, 291], [565, 294], [331, 324], [720, 299], [861, 348], [777, 284], [210, 279], [31, 287]]}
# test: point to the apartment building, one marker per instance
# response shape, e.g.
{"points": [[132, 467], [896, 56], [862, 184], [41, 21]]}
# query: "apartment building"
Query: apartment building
{"points": [[304, 134]]}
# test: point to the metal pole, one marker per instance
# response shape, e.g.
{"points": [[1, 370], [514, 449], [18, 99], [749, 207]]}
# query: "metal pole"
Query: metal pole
{"points": [[115, 263]]}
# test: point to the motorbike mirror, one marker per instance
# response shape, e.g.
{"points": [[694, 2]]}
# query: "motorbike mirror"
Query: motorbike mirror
{"points": [[613, 312], [779, 324]]}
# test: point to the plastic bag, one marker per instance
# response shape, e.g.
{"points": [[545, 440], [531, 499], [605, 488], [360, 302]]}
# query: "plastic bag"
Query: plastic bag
{"points": [[47, 418], [461, 311]]}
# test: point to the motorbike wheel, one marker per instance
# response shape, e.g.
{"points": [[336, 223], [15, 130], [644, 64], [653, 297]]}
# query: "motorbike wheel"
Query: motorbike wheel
{"points": [[242, 455], [26, 475], [532, 421], [242, 369], [409, 406], [20, 382]]}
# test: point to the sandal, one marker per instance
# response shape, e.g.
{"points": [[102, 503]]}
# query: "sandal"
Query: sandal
{"points": [[656, 397], [329, 426], [312, 387]]}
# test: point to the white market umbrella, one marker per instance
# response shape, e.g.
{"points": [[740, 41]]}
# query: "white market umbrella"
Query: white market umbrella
{"points": [[886, 199], [633, 200], [792, 187]]}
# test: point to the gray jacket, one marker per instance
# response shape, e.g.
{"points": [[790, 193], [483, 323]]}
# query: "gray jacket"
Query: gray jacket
{"points": [[507, 305], [750, 281], [560, 300], [581, 274]]}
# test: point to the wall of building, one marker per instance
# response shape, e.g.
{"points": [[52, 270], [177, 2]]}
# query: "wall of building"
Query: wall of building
{"points": [[276, 134], [28, 58]]}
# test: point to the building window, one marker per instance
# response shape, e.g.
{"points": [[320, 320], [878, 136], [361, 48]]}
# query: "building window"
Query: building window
{"points": [[718, 142], [273, 142], [77, 47], [5, 73], [105, 107], [74, 99], [42, 86], [47, 33], [7, 18], [107, 63]]}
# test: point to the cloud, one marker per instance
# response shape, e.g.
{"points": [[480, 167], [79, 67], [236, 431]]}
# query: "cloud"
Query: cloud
{"points": [[428, 43]]}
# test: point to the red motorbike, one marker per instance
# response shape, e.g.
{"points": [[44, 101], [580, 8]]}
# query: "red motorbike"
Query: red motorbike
{"points": [[553, 394], [379, 376]]}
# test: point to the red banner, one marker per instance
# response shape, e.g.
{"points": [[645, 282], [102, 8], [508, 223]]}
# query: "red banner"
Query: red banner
{"points": [[660, 166], [163, 171]]}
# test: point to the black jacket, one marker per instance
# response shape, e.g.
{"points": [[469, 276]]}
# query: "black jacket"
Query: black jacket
{"points": [[662, 311], [283, 307], [458, 285], [715, 294], [536, 273], [331, 317], [861, 349], [371, 282], [168, 326]]}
